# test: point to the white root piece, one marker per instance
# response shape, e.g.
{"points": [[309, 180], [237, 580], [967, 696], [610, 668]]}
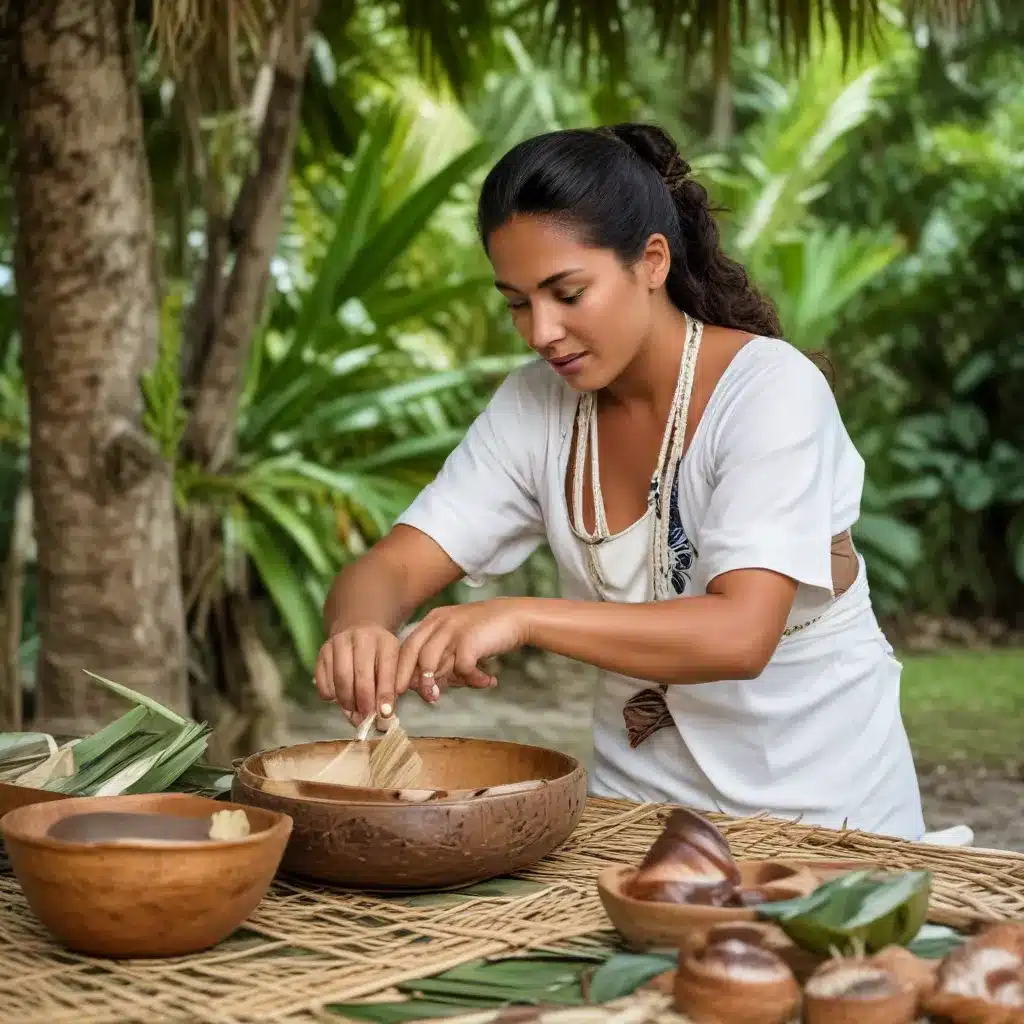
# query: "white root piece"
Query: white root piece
{"points": [[229, 824]]}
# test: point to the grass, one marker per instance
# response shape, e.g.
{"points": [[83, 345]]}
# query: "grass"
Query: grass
{"points": [[965, 705]]}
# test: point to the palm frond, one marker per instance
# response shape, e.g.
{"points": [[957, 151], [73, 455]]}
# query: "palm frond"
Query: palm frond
{"points": [[598, 28], [213, 49]]}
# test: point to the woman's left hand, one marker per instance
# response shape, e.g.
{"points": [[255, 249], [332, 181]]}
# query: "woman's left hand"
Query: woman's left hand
{"points": [[451, 642]]}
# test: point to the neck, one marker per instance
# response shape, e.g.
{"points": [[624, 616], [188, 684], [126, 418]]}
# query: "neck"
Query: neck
{"points": [[650, 379]]}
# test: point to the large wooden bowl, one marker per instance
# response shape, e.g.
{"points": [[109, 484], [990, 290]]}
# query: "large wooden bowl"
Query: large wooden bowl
{"points": [[136, 898], [484, 808]]}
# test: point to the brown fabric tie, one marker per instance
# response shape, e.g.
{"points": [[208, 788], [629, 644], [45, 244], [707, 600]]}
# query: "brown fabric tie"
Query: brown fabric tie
{"points": [[647, 711]]}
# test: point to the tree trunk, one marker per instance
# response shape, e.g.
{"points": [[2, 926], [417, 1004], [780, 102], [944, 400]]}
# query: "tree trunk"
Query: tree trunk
{"points": [[239, 688], [109, 590], [230, 301], [12, 584]]}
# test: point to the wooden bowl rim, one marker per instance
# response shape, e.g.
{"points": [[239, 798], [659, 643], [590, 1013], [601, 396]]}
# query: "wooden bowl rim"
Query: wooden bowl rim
{"points": [[610, 881], [388, 797], [13, 827]]}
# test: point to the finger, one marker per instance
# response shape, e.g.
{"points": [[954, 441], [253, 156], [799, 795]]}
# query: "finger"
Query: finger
{"points": [[408, 655], [431, 684], [429, 688], [387, 665], [323, 676], [467, 669], [364, 664], [341, 672], [434, 652]]}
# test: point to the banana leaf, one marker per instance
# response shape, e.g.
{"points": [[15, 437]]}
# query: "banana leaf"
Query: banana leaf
{"points": [[149, 749], [479, 986], [624, 973], [862, 910]]}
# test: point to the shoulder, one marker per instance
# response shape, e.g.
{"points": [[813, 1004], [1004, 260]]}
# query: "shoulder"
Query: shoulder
{"points": [[772, 361], [771, 398], [771, 378]]}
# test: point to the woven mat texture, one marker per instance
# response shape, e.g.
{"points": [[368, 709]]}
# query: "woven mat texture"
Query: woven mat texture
{"points": [[306, 947]]}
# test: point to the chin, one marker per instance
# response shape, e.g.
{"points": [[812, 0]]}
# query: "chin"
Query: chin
{"points": [[590, 379]]}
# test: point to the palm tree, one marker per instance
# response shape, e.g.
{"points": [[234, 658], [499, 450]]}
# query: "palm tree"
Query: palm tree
{"points": [[112, 559]]}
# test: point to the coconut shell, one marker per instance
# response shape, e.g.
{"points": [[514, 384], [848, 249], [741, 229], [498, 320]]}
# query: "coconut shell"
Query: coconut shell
{"points": [[907, 968], [800, 961], [871, 995], [690, 862], [733, 982], [1007, 935], [982, 982], [966, 1010]]}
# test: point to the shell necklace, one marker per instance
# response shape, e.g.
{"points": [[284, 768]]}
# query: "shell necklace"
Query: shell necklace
{"points": [[663, 480]]}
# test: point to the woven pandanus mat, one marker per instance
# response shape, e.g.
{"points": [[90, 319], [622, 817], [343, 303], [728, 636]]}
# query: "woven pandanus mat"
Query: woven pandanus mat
{"points": [[306, 948]]}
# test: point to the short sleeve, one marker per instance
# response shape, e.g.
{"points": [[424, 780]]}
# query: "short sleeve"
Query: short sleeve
{"points": [[482, 508], [774, 473]]}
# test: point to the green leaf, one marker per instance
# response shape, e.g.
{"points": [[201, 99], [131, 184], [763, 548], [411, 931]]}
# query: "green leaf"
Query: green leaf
{"points": [[399, 304], [395, 235], [108, 765], [100, 743], [286, 591], [862, 907], [19, 745], [138, 698], [397, 1013], [494, 888], [290, 522], [350, 229], [543, 978], [934, 941], [974, 487], [624, 973], [896, 540], [184, 750]]}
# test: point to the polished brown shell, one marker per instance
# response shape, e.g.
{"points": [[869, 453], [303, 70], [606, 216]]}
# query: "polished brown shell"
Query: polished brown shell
{"points": [[482, 808]]}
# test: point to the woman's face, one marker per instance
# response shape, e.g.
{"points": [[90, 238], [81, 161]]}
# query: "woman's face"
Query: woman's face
{"points": [[575, 305]]}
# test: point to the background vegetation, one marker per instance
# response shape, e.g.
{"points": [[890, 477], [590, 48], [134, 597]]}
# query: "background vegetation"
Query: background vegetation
{"points": [[876, 194]]}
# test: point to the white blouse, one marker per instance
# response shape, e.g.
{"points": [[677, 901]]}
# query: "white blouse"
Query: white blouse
{"points": [[770, 477]]}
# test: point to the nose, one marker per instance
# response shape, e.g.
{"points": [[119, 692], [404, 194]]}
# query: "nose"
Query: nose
{"points": [[546, 327]]}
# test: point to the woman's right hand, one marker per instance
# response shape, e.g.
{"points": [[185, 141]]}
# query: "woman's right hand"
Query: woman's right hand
{"points": [[356, 669]]}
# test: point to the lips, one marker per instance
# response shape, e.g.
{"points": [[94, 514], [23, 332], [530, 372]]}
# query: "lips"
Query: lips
{"points": [[567, 364]]}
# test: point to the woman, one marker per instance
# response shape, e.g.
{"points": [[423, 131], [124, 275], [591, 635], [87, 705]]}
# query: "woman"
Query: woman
{"points": [[693, 478]]}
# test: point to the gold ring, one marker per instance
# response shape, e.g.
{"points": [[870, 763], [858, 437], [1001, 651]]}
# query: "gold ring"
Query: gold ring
{"points": [[427, 675]]}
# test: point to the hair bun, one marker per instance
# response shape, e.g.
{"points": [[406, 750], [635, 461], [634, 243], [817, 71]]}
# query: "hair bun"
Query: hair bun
{"points": [[656, 146]]}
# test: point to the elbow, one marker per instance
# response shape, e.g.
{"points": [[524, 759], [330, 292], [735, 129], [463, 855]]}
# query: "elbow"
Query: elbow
{"points": [[751, 658], [750, 666], [731, 662]]}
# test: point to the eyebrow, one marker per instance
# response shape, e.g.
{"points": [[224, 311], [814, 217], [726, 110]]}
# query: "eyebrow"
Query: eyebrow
{"points": [[546, 283]]}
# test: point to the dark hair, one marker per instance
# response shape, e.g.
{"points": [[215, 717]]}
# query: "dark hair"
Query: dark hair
{"points": [[620, 185]]}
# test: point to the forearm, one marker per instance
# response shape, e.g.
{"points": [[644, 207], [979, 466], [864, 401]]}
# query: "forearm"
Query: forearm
{"points": [[369, 590], [689, 640]]}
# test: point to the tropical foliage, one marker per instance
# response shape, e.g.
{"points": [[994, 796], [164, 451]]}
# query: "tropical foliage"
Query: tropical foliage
{"points": [[875, 194]]}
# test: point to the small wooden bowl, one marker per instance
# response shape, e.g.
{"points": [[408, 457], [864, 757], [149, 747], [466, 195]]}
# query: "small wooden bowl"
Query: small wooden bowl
{"points": [[130, 899], [647, 924], [486, 808]]}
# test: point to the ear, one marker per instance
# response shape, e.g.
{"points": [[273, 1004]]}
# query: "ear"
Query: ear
{"points": [[655, 261]]}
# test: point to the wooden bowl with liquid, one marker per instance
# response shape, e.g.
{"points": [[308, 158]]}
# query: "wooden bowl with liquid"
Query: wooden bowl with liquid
{"points": [[138, 876], [480, 808]]}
